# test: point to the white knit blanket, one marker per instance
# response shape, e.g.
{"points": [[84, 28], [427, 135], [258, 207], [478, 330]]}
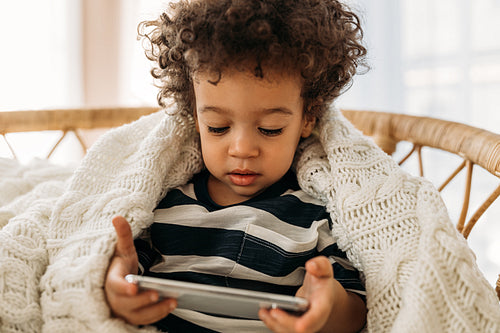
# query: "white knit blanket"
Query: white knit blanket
{"points": [[57, 238]]}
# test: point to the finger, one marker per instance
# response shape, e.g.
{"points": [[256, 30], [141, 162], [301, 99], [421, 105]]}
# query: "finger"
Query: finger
{"points": [[115, 280], [271, 322], [125, 242], [127, 304], [152, 313], [312, 321], [319, 310], [278, 320], [320, 267]]}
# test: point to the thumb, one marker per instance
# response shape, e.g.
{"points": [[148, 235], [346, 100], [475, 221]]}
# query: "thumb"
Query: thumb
{"points": [[125, 243], [320, 267]]}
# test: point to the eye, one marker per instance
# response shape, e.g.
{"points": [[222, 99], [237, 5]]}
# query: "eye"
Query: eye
{"points": [[217, 130], [271, 132]]}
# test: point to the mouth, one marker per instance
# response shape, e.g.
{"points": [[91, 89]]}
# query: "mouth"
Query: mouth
{"points": [[242, 177]]}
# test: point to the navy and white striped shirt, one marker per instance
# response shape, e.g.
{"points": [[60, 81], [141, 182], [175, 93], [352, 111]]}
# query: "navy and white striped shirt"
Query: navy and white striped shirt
{"points": [[260, 244]]}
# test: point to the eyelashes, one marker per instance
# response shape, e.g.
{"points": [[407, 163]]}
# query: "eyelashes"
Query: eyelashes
{"points": [[270, 132], [264, 131], [217, 130]]}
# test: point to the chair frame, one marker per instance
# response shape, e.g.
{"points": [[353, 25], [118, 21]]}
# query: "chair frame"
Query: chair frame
{"points": [[474, 145], [66, 121]]}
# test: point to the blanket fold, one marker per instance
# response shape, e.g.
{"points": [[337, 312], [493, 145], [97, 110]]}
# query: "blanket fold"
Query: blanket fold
{"points": [[420, 274]]}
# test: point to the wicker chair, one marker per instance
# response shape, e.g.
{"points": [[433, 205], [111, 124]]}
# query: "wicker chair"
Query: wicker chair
{"points": [[66, 121], [475, 146]]}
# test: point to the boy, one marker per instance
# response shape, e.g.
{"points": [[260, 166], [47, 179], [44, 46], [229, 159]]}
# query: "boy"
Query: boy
{"points": [[254, 75]]}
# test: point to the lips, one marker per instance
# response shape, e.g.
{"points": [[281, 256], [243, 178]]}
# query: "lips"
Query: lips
{"points": [[242, 177]]}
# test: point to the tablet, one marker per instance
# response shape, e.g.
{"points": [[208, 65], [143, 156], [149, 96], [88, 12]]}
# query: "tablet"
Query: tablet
{"points": [[232, 302]]}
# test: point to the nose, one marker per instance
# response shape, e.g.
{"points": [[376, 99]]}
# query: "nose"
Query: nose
{"points": [[243, 146]]}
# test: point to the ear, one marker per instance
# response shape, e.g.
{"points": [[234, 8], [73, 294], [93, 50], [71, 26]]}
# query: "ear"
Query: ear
{"points": [[309, 123]]}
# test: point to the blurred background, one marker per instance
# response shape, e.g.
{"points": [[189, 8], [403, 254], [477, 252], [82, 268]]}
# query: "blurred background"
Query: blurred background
{"points": [[434, 58]]}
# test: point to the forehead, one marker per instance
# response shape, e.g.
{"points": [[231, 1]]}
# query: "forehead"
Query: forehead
{"points": [[241, 90]]}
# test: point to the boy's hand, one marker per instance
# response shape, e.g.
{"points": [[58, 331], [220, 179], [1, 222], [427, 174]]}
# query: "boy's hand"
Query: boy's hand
{"points": [[319, 288], [123, 297]]}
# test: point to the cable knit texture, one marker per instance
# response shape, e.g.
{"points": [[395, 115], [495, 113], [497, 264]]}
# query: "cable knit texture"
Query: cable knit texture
{"points": [[57, 238]]}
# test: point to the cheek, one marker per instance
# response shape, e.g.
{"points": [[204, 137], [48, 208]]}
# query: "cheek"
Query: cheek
{"points": [[282, 154], [210, 150]]}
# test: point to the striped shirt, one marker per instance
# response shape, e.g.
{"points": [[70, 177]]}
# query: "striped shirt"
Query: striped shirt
{"points": [[260, 244]]}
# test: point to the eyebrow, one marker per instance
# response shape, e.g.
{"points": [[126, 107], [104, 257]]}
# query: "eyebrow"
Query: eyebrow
{"points": [[282, 110]]}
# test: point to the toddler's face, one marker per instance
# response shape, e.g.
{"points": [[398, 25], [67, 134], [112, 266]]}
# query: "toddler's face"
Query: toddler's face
{"points": [[249, 130]]}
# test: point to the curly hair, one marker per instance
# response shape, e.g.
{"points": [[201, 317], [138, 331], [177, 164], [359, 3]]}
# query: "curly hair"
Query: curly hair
{"points": [[320, 39]]}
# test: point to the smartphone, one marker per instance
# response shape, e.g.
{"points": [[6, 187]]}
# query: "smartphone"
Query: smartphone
{"points": [[239, 303]]}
